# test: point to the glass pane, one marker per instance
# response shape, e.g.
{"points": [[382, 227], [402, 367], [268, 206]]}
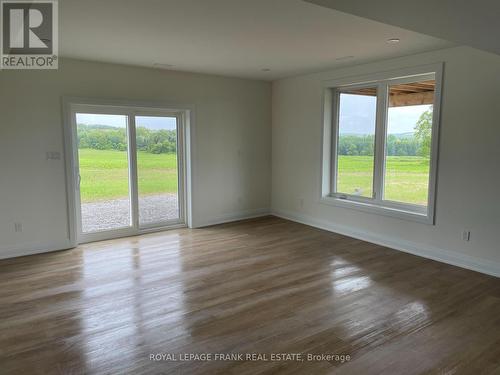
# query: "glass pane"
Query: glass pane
{"points": [[157, 169], [356, 143], [104, 172], [408, 150]]}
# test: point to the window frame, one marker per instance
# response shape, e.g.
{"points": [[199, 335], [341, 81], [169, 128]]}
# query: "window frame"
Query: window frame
{"points": [[336, 92], [377, 204]]}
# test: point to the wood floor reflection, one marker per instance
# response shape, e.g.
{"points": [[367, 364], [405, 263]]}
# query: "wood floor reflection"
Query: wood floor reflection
{"points": [[260, 286]]}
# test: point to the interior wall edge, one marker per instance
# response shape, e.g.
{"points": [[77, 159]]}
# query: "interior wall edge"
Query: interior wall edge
{"points": [[230, 217]]}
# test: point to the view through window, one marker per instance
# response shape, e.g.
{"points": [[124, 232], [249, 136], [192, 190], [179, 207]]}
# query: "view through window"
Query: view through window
{"points": [[104, 172], [107, 171], [384, 141], [356, 143], [408, 144], [156, 140]]}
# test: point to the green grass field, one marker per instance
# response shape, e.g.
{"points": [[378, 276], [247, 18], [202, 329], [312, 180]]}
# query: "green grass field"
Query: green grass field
{"points": [[406, 177], [104, 174]]}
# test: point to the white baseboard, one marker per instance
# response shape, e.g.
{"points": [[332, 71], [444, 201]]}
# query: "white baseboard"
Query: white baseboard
{"points": [[234, 216], [38, 248], [446, 256], [33, 248]]}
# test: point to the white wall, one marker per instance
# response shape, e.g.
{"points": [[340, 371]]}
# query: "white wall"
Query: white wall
{"points": [[468, 188], [232, 149], [233, 152]]}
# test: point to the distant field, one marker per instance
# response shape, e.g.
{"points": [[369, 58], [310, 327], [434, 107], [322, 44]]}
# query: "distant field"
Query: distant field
{"points": [[406, 177], [104, 174]]}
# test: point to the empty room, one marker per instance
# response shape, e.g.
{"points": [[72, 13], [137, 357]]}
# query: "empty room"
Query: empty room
{"points": [[249, 187]]}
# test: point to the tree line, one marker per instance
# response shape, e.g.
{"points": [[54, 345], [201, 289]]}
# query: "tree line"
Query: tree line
{"points": [[414, 144], [363, 145], [103, 137]]}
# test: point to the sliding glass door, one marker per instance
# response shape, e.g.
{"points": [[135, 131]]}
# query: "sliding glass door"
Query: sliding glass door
{"points": [[129, 170], [157, 170], [104, 170]]}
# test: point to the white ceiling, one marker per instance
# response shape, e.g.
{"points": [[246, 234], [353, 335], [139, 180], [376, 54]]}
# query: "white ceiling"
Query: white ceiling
{"points": [[228, 37], [474, 23]]}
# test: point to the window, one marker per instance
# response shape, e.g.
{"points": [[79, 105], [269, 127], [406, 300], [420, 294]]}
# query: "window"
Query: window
{"points": [[355, 175], [380, 143]]}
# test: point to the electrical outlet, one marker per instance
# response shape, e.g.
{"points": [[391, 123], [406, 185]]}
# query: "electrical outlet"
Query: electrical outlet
{"points": [[466, 235], [18, 227]]}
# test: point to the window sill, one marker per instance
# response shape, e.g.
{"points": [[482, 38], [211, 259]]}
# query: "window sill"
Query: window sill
{"points": [[379, 209]]}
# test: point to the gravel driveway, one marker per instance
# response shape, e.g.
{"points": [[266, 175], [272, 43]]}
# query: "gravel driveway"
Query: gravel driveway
{"points": [[112, 214]]}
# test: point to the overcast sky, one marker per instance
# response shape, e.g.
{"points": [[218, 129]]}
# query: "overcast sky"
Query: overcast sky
{"points": [[156, 123], [357, 116]]}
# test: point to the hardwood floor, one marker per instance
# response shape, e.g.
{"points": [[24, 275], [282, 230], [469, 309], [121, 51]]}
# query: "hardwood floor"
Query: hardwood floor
{"points": [[265, 286]]}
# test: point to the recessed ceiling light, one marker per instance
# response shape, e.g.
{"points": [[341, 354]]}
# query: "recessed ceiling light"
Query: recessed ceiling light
{"points": [[163, 66], [393, 40], [265, 70]]}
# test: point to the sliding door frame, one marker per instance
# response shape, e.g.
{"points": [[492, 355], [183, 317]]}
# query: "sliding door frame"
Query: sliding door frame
{"points": [[111, 233], [181, 168], [183, 115]]}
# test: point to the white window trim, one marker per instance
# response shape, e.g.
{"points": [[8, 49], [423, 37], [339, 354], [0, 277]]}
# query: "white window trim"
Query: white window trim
{"points": [[423, 214]]}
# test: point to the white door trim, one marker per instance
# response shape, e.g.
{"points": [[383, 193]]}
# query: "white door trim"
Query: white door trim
{"points": [[185, 118]]}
